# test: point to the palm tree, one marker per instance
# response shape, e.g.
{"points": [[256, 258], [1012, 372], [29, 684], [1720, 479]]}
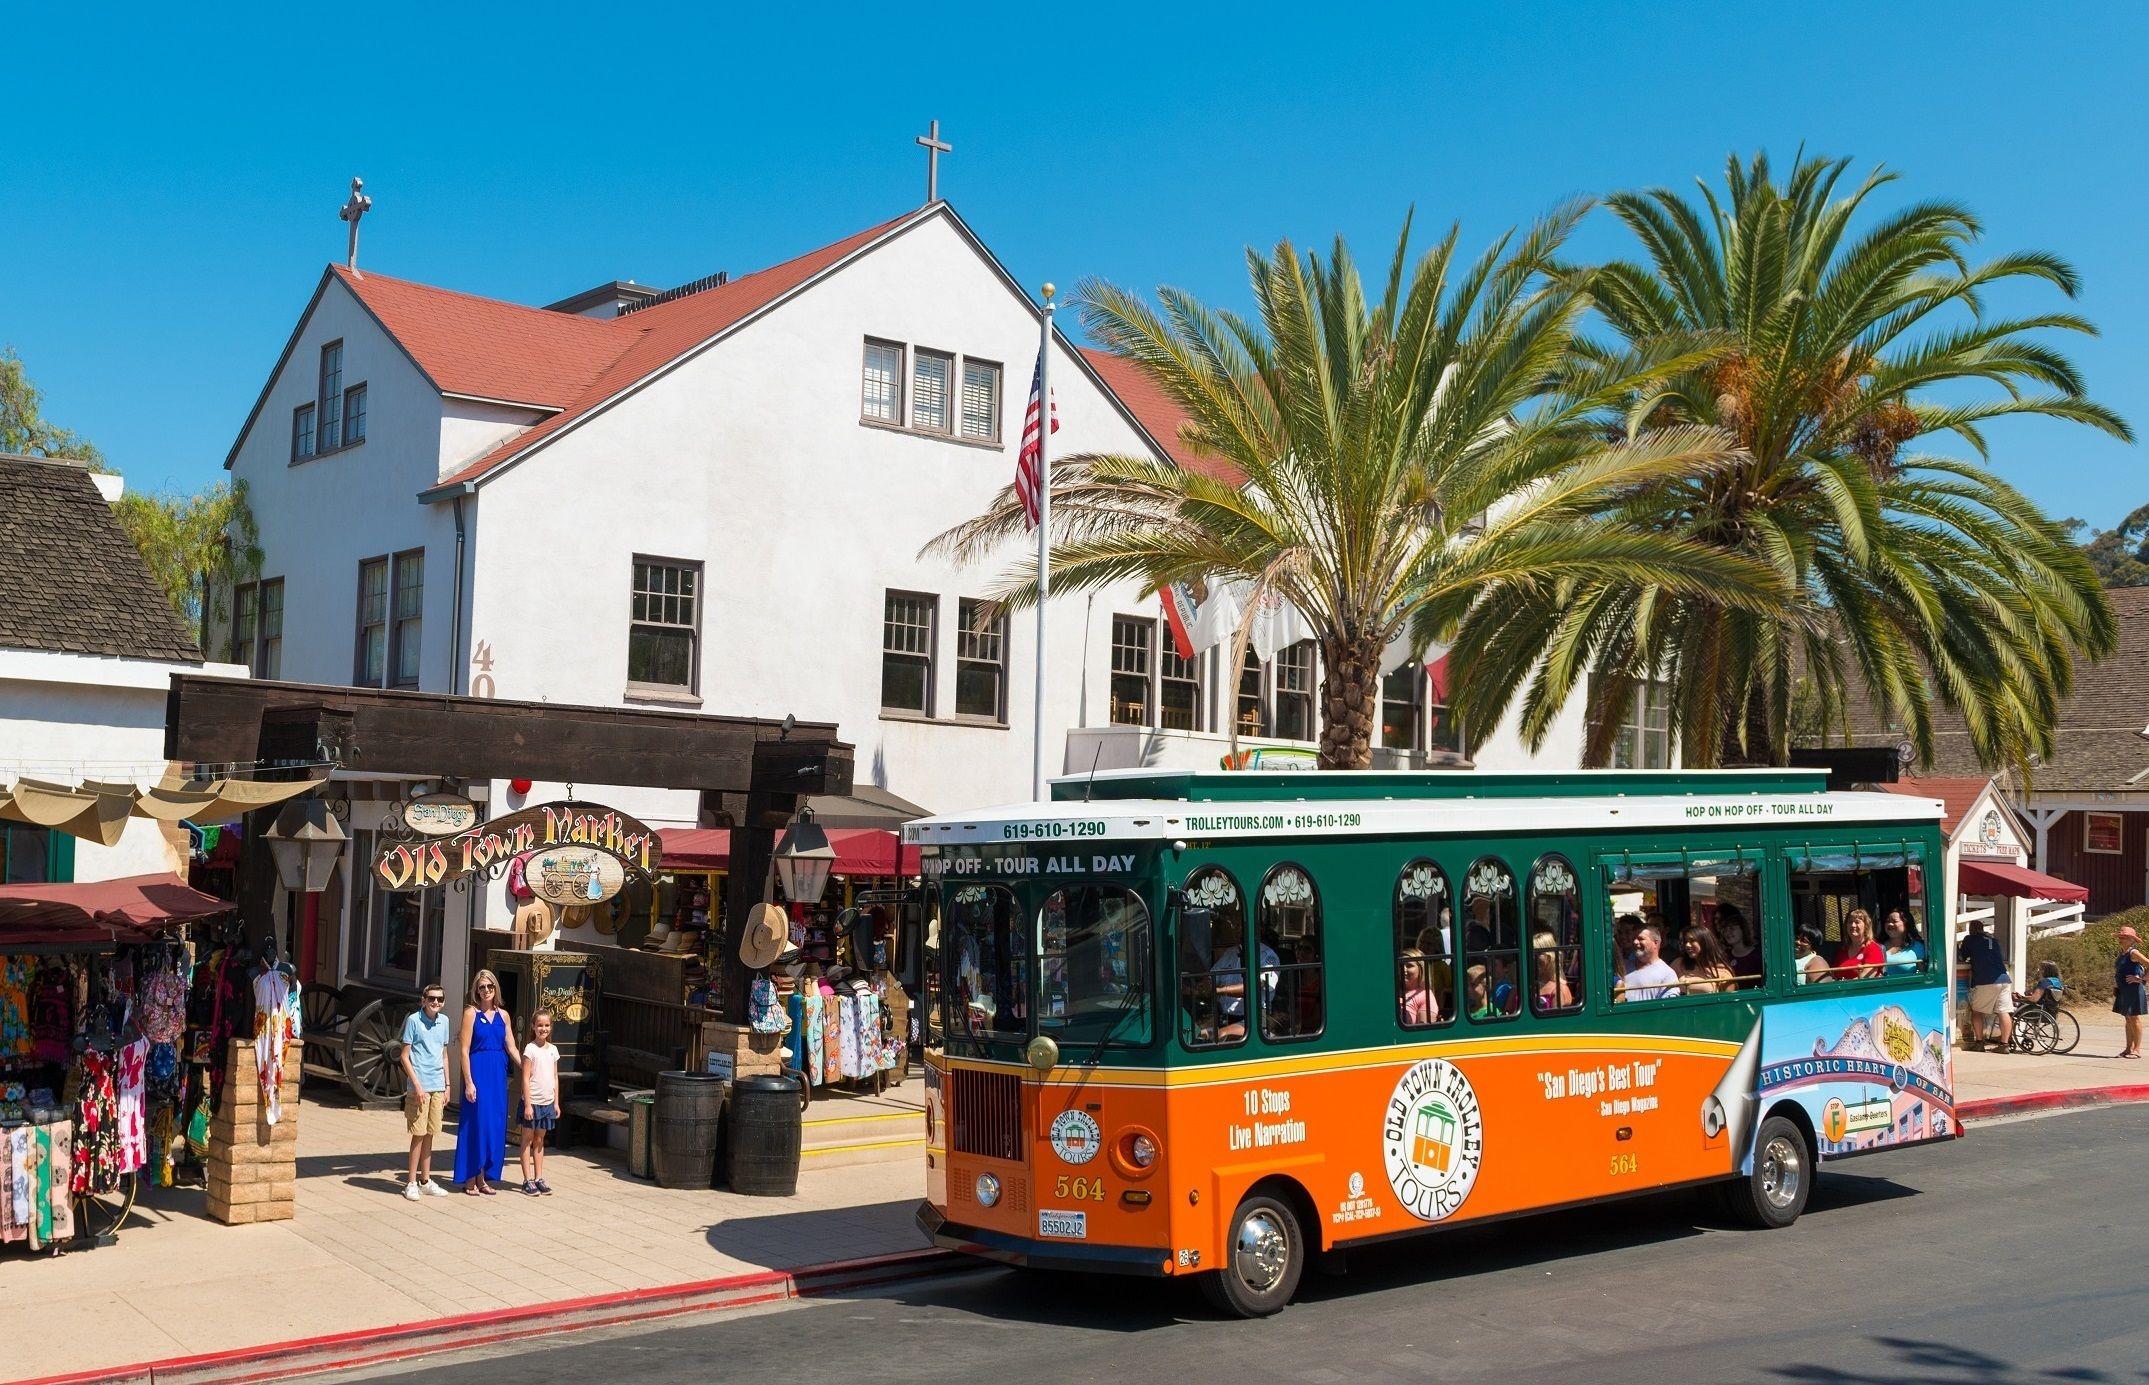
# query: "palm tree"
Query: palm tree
{"points": [[1836, 362], [1390, 454]]}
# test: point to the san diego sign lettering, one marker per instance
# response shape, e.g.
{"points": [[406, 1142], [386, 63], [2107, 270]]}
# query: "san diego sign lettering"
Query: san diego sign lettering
{"points": [[419, 865]]}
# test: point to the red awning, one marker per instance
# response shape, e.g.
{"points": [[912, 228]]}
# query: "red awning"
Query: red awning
{"points": [[859, 850], [1998, 877], [133, 910]]}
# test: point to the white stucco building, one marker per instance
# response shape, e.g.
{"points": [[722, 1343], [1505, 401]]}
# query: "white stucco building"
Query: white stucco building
{"points": [[87, 649], [714, 498]]}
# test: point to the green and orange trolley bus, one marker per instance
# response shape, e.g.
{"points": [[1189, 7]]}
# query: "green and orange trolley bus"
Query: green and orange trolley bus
{"points": [[1217, 1024]]}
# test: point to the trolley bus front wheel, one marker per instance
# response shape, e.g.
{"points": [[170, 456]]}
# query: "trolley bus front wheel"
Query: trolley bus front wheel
{"points": [[1772, 1196], [1264, 1256]]}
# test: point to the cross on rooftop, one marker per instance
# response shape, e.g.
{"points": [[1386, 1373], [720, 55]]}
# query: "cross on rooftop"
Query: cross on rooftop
{"points": [[935, 146], [357, 207]]}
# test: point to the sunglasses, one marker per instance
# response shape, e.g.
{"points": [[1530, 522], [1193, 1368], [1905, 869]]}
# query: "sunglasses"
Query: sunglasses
{"points": [[483, 989], [436, 1000]]}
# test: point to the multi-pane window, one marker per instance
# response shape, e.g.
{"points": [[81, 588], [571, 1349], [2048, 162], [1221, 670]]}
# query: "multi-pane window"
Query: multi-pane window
{"points": [[331, 397], [1294, 692], [980, 663], [354, 415], [1132, 638], [245, 622], [1178, 690], [906, 660], [883, 400], [1291, 915], [1252, 722], [257, 626], [269, 655], [981, 401], [406, 621], [1554, 923], [302, 433], [1492, 983], [1399, 724], [1424, 947], [1643, 740], [371, 663], [664, 624], [930, 374], [398, 933]]}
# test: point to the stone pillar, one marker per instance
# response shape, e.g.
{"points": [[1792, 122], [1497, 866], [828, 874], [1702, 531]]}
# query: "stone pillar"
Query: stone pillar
{"points": [[253, 1166]]}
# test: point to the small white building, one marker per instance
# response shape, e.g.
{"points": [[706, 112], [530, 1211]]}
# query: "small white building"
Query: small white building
{"points": [[714, 497], [88, 645]]}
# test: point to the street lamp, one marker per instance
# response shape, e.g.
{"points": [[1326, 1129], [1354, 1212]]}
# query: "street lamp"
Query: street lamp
{"points": [[804, 859], [305, 841]]}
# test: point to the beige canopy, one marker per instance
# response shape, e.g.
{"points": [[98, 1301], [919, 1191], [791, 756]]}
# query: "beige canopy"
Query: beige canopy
{"points": [[97, 810]]}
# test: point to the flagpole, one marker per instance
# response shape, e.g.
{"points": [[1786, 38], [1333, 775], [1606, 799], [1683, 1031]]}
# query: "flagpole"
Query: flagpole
{"points": [[1044, 527]]}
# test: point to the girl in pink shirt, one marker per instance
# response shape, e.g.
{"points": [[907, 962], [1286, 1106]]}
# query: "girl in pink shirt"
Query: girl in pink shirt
{"points": [[540, 1101]]}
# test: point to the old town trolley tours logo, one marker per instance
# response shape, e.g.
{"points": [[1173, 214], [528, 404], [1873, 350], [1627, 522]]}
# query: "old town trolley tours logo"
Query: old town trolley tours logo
{"points": [[1434, 1139]]}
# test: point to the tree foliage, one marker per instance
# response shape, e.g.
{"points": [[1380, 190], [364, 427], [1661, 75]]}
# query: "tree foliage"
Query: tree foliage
{"points": [[2119, 554], [1836, 358], [196, 545], [1388, 457], [23, 429]]}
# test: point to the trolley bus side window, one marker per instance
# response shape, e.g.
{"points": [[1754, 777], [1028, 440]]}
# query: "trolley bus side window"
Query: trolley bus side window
{"points": [[1554, 921], [1294, 1005], [987, 962], [1831, 883], [1492, 953], [1424, 947], [1212, 979]]}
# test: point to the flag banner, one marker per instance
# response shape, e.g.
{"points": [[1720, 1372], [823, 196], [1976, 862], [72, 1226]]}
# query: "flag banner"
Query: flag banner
{"points": [[1180, 613], [1436, 674], [1029, 460]]}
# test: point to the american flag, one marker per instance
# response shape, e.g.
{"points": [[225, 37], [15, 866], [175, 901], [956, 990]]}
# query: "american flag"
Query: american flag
{"points": [[1029, 461]]}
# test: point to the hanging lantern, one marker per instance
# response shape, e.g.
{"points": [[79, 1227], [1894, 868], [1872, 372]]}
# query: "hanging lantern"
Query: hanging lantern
{"points": [[804, 859]]}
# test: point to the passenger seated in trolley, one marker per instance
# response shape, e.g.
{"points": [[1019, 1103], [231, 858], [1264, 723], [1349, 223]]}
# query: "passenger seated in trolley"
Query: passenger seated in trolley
{"points": [[1227, 976]]}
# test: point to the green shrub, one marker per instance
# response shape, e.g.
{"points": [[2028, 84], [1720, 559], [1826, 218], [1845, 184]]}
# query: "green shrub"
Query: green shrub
{"points": [[2085, 958]]}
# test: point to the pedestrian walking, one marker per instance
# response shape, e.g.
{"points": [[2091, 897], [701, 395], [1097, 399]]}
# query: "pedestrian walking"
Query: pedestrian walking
{"points": [[540, 1100], [2128, 1000], [1991, 988], [425, 1094], [481, 1125]]}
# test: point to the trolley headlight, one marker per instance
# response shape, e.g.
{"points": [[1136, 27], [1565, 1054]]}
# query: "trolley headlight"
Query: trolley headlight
{"points": [[988, 1190], [1141, 1151]]}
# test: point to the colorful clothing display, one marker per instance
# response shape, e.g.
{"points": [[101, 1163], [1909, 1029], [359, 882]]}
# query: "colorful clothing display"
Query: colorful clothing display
{"points": [[133, 1082], [97, 1157], [16, 975], [52, 1015], [272, 1029]]}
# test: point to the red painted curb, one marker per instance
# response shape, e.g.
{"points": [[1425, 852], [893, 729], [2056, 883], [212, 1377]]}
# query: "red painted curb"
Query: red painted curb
{"points": [[377, 1346], [1984, 1108]]}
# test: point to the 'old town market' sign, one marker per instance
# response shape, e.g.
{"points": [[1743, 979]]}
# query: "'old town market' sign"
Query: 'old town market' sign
{"points": [[417, 864]]}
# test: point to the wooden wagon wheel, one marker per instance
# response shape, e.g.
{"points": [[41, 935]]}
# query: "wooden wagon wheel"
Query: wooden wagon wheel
{"points": [[319, 1009], [372, 1054]]}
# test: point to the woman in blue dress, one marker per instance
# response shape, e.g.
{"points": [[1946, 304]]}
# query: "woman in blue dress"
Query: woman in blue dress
{"points": [[2130, 997], [481, 1124]]}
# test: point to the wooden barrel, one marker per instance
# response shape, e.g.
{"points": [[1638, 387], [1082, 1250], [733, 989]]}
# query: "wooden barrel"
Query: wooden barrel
{"points": [[766, 1132], [682, 1146]]}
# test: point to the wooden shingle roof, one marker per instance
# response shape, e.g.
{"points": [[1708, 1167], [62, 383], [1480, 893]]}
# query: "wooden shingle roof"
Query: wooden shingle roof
{"points": [[79, 584]]}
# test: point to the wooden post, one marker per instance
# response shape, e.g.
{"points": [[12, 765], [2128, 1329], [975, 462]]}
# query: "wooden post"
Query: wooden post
{"points": [[753, 851]]}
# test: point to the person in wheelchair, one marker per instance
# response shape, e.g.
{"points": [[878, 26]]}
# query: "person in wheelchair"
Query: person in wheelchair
{"points": [[2045, 992]]}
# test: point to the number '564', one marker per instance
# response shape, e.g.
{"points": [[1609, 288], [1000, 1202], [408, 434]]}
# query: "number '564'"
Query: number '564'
{"points": [[1078, 1188]]}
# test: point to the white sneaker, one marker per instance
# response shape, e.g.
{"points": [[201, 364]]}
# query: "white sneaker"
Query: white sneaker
{"points": [[410, 1190], [433, 1188]]}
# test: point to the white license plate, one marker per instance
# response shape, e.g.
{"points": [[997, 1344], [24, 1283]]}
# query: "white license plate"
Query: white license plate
{"points": [[1072, 1226]]}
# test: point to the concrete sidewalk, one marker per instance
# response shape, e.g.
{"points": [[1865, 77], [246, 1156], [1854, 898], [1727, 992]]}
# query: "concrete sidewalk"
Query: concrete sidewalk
{"points": [[360, 1256]]}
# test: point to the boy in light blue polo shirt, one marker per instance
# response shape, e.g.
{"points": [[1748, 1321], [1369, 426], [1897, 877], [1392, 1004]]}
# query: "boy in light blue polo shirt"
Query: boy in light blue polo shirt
{"points": [[425, 1070]]}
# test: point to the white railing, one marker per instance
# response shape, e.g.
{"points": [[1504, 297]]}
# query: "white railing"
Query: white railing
{"points": [[2057, 920]]}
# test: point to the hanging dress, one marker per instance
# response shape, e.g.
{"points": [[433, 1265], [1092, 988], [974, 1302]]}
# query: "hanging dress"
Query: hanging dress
{"points": [[272, 1027], [831, 1034], [96, 1152], [481, 1125], [812, 1034], [133, 1062]]}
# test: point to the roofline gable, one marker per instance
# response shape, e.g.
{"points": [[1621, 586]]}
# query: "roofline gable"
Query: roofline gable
{"points": [[448, 489], [283, 358]]}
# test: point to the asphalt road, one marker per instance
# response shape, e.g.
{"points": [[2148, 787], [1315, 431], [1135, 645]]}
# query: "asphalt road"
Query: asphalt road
{"points": [[2017, 1255]]}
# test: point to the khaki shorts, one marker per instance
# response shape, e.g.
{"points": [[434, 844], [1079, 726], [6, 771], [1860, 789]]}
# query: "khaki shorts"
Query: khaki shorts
{"points": [[422, 1112], [1990, 1000]]}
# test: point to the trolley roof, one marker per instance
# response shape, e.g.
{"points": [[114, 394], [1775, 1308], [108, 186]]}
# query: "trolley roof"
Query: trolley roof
{"points": [[1149, 804]]}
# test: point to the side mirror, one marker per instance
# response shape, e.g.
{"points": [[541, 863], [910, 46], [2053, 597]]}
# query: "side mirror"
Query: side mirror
{"points": [[1195, 943]]}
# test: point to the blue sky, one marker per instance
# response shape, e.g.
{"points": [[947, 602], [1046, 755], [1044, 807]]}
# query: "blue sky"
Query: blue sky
{"points": [[168, 186]]}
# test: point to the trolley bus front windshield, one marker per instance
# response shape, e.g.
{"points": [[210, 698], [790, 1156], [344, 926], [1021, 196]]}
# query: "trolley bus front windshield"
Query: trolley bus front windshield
{"points": [[1077, 968]]}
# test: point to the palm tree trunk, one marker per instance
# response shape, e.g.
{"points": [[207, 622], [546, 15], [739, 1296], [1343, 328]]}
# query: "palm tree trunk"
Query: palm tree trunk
{"points": [[1350, 700]]}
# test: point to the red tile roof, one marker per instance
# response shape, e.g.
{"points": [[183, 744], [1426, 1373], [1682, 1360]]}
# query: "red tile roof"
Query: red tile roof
{"points": [[487, 348], [1955, 795], [1157, 411], [643, 343]]}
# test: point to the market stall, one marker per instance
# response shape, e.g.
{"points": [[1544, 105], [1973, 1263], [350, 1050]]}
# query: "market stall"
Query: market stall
{"points": [[111, 1048]]}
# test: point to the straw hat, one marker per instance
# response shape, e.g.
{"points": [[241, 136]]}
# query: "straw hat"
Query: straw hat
{"points": [[766, 935], [533, 921]]}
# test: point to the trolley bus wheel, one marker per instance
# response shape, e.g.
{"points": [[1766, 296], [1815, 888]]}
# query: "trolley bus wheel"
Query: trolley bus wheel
{"points": [[1263, 1258], [1775, 1192]]}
